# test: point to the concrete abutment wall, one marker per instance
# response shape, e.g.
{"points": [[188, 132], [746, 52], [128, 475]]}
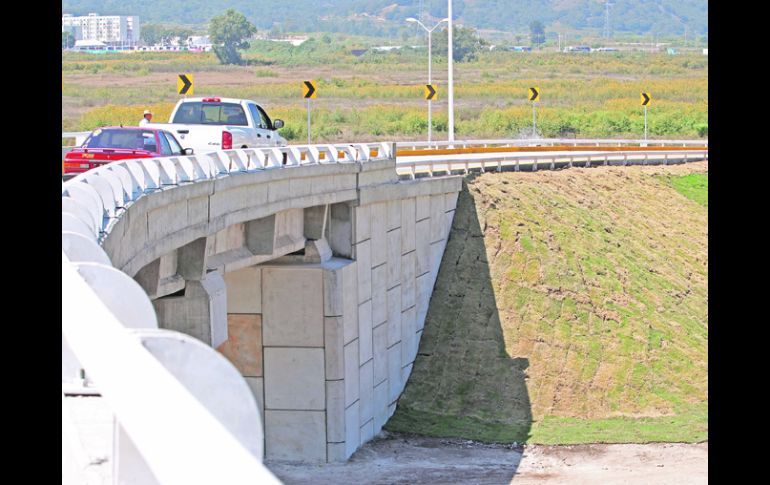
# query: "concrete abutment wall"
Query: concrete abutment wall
{"points": [[325, 339]]}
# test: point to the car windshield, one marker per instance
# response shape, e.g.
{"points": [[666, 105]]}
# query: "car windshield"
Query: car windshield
{"points": [[210, 113], [122, 138]]}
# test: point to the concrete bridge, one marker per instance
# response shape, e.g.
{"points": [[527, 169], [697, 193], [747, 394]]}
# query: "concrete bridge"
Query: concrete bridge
{"points": [[312, 277]]}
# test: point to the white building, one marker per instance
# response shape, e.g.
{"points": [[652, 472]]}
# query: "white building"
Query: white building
{"points": [[111, 29]]}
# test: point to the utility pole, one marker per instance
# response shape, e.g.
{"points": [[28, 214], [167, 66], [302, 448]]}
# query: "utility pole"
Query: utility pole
{"points": [[607, 5], [451, 78]]}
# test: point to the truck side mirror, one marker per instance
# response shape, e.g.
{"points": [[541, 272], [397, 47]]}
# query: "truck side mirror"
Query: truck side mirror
{"points": [[277, 124], [187, 151]]}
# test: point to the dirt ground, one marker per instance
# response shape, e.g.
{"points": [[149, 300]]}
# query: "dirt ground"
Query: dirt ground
{"points": [[404, 459]]}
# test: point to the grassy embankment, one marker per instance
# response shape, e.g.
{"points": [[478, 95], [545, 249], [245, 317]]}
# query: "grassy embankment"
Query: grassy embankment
{"points": [[378, 96], [571, 307]]}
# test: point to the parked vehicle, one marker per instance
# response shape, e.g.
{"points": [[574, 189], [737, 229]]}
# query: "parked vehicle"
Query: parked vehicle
{"points": [[105, 145], [209, 124]]}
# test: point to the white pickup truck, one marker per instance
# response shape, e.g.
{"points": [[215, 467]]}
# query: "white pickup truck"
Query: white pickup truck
{"points": [[209, 124]]}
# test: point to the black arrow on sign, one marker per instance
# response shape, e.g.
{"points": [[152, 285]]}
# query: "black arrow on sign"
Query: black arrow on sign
{"points": [[534, 94], [187, 84], [646, 99], [310, 89], [431, 93]]}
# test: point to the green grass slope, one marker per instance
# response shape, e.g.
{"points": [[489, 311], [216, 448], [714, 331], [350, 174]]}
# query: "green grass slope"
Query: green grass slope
{"points": [[571, 307]]}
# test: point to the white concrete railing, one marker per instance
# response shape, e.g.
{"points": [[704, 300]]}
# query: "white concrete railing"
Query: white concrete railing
{"points": [[114, 186], [181, 442], [464, 162], [545, 142]]}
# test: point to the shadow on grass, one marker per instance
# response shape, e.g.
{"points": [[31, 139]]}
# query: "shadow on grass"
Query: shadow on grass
{"points": [[463, 383]]}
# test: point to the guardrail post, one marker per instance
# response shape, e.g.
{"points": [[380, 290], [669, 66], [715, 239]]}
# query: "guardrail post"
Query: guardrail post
{"points": [[588, 162], [625, 160], [646, 156], [553, 163], [665, 159], [570, 162], [517, 165], [534, 165]]}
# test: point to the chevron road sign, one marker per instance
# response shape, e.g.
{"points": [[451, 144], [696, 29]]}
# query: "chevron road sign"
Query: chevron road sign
{"points": [[184, 84]]}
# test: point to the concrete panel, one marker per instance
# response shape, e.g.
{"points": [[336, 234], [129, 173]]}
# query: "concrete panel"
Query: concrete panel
{"points": [[394, 258], [407, 280], [197, 210], [229, 238], [341, 230], [334, 348], [289, 227], [423, 247], [300, 187], [257, 386], [394, 373], [295, 435], [379, 294], [436, 253], [352, 374], [235, 199], [322, 184], [292, 325], [424, 291], [391, 409], [350, 301], [362, 255], [380, 406], [365, 332], [244, 290], [333, 292], [378, 227], [437, 217], [294, 378], [352, 428], [406, 371], [394, 214], [315, 221], [362, 229], [394, 315], [335, 411], [259, 235], [380, 353], [167, 220], [450, 201], [278, 190], [336, 452], [367, 431], [244, 343], [448, 219], [408, 221], [408, 341], [422, 208], [366, 392]]}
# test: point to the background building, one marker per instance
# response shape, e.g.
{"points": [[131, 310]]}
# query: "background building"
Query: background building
{"points": [[110, 29]]}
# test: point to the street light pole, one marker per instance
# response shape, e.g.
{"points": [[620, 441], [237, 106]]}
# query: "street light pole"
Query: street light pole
{"points": [[430, 70], [451, 78]]}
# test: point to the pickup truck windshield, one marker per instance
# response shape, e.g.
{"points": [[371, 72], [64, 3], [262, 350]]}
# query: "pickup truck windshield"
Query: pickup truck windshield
{"points": [[117, 138], [198, 113]]}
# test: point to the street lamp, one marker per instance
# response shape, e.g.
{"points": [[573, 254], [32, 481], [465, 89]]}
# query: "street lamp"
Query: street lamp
{"points": [[429, 31]]}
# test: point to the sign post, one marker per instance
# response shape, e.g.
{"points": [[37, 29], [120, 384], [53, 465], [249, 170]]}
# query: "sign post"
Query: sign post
{"points": [[534, 95], [645, 97], [309, 92], [184, 84], [430, 95]]}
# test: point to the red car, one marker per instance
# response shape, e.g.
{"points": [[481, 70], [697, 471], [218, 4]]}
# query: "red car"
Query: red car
{"points": [[112, 143]]}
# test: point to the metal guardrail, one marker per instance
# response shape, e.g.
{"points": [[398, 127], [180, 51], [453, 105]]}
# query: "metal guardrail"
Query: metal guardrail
{"points": [[495, 161], [547, 142]]}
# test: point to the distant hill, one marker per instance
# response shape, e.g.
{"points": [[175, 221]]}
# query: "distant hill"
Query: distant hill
{"points": [[386, 17]]}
